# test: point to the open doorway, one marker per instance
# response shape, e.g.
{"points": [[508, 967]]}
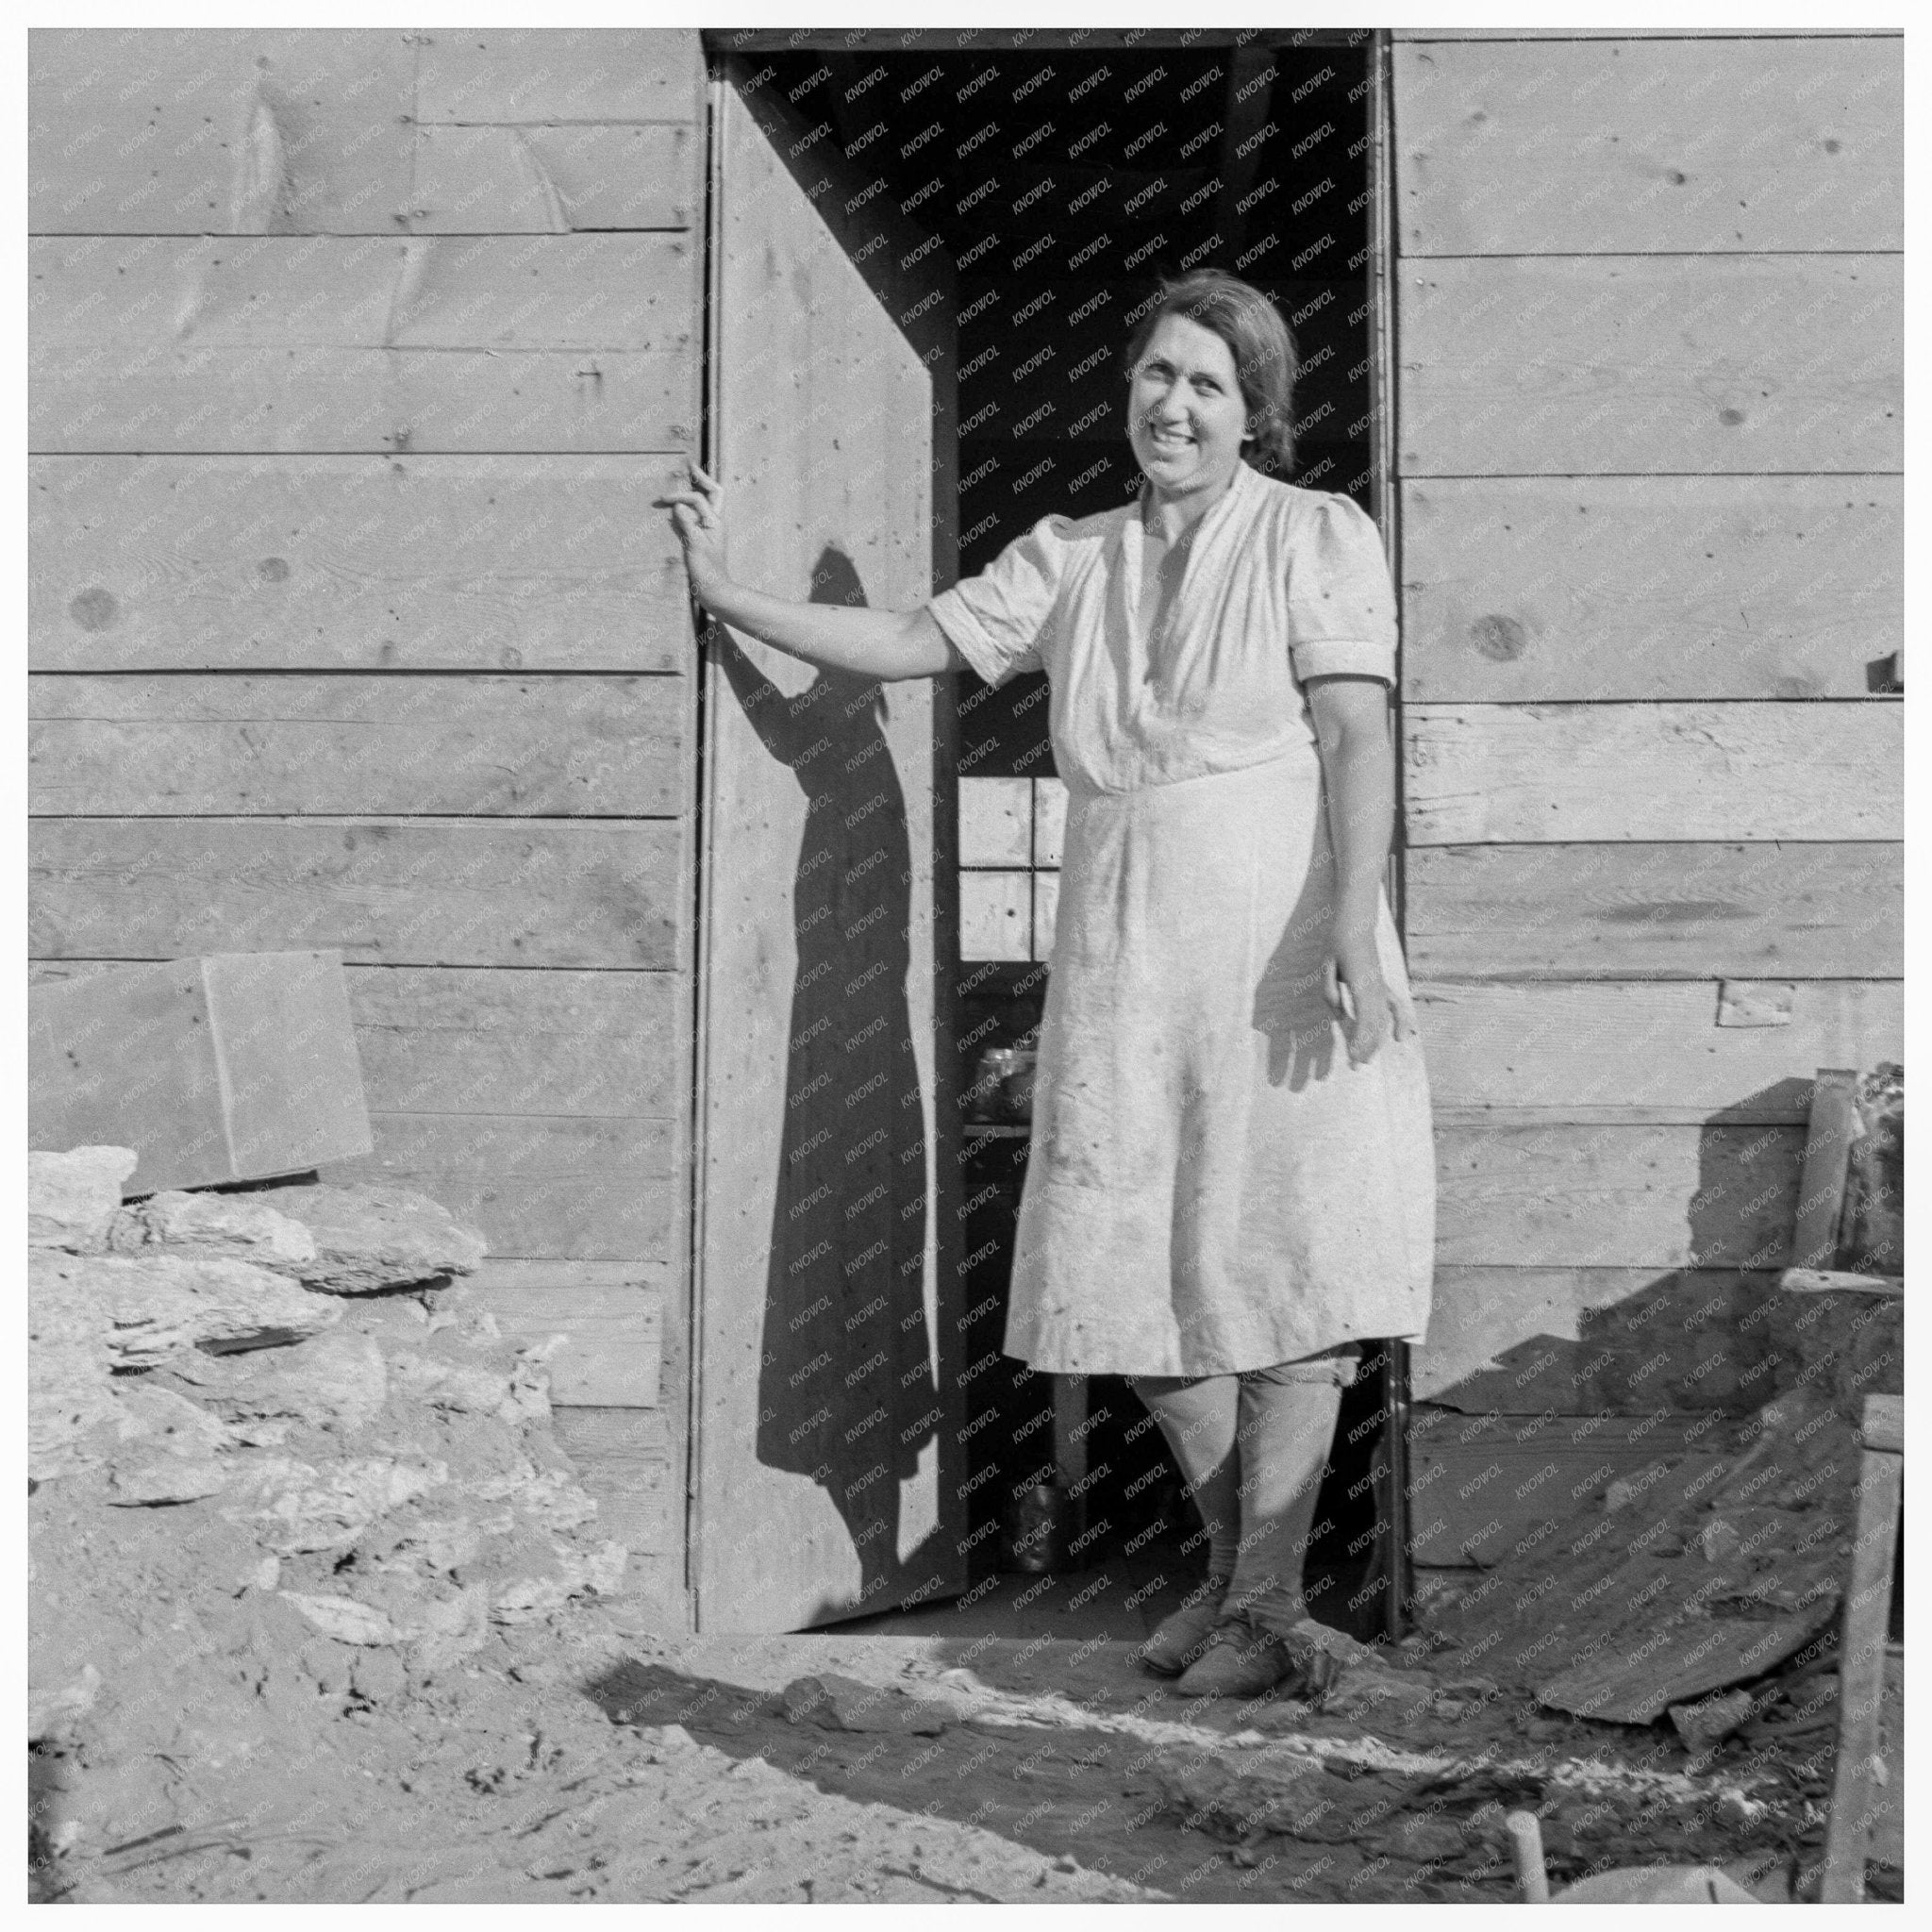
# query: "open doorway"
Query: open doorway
{"points": [[1059, 183]]}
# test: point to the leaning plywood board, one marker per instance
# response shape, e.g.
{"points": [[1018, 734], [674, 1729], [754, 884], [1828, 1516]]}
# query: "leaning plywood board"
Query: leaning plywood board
{"points": [[1546, 588], [354, 563], [418, 891], [230, 1068], [1617, 1196], [1636, 147], [1510, 773], [1664, 910], [1651, 1050], [1643, 364], [200, 744], [578, 342]]}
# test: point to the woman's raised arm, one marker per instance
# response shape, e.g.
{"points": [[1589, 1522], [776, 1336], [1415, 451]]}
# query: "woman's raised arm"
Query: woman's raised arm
{"points": [[885, 644]]}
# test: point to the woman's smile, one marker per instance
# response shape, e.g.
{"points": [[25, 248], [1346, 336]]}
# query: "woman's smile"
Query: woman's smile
{"points": [[1186, 413]]}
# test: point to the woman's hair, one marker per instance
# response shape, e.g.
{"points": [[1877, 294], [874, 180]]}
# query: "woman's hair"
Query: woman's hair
{"points": [[1257, 338]]}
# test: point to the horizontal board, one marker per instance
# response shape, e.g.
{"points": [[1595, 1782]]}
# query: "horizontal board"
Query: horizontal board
{"points": [[549, 1188], [553, 180], [1535, 589], [462, 562], [418, 892], [599, 1323], [495, 1040], [624, 1457], [287, 343], [1516, 774], [457, 1040], [1481, 1492], [1519, 149], [1635, 364], [172, 131], [323, 132], [1664, 910], [1653, 1049], [560, 75], [1590, 1340], [195, 743], [1617, 1196]]}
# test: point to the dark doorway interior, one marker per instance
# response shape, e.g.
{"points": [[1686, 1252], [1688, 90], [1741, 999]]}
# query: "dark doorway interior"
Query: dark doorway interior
{"points": [[1064, 182]]}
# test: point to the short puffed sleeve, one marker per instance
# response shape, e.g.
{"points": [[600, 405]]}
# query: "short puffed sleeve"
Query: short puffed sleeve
{"points": [[998, 618], [1341, 603]]}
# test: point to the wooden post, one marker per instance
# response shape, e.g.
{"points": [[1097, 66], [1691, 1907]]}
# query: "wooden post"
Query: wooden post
{"points": [[1827, 1152], [1861, 1650]]}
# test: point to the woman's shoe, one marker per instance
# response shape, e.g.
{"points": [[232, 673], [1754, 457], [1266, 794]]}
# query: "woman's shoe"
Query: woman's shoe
{"points": [[1239, 1659], [1179, 1639]]}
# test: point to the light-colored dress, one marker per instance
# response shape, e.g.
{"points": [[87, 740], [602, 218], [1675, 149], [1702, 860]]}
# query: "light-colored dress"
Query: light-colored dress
{"points": [[1212, 1187]]}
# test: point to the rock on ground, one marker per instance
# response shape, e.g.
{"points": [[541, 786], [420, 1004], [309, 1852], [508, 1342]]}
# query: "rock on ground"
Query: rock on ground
{"points": [[71, 1198], [368, 1239], [241, 1226]]}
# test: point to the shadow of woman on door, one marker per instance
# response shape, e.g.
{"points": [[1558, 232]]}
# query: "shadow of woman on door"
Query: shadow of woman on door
{"points": [[847, 1391]]}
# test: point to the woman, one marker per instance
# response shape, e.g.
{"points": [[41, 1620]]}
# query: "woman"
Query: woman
{"points": [[1231, 1177]]}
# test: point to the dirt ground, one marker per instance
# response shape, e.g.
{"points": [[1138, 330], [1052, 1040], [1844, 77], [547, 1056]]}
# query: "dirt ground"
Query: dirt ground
{"points": [[1017, 1754], [331, 1619]]}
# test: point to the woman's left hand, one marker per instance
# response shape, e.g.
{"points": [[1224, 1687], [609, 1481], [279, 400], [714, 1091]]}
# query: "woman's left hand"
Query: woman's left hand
{"points": [[1372, 1010]]}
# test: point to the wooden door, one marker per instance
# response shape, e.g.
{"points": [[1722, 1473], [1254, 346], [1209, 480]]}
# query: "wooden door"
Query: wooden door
{"points": [[824, 1482]]}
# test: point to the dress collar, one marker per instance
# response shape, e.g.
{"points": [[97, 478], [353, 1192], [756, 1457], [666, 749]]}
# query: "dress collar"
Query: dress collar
{"points": [[1238, 486]]}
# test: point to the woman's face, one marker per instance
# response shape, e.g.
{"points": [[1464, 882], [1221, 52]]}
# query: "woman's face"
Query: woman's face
{"points": [[1186, 418]]}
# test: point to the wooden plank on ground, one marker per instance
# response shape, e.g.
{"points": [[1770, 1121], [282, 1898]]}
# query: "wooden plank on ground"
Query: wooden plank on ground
{"points": [[201, 744], [326, 344], [1617, 1196], [599, 1323], [1643, 364], [455, 1039], [622, 1457], [1509, 148], [559, 74], [1647, 1049], [1860, 1770], [1599, 1340], [1516, 774], [545, 1187], [409, 892], [199, 131], [1546, 588], [1668, 910], [267, 562], [1642, 1671]]}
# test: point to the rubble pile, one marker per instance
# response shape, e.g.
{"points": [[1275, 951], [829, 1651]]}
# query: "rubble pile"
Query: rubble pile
{"points": [[281, 1479]]}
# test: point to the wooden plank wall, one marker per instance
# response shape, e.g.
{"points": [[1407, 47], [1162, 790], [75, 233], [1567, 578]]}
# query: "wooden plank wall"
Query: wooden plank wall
{"points": [[1649, 430], [357, 357]]}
